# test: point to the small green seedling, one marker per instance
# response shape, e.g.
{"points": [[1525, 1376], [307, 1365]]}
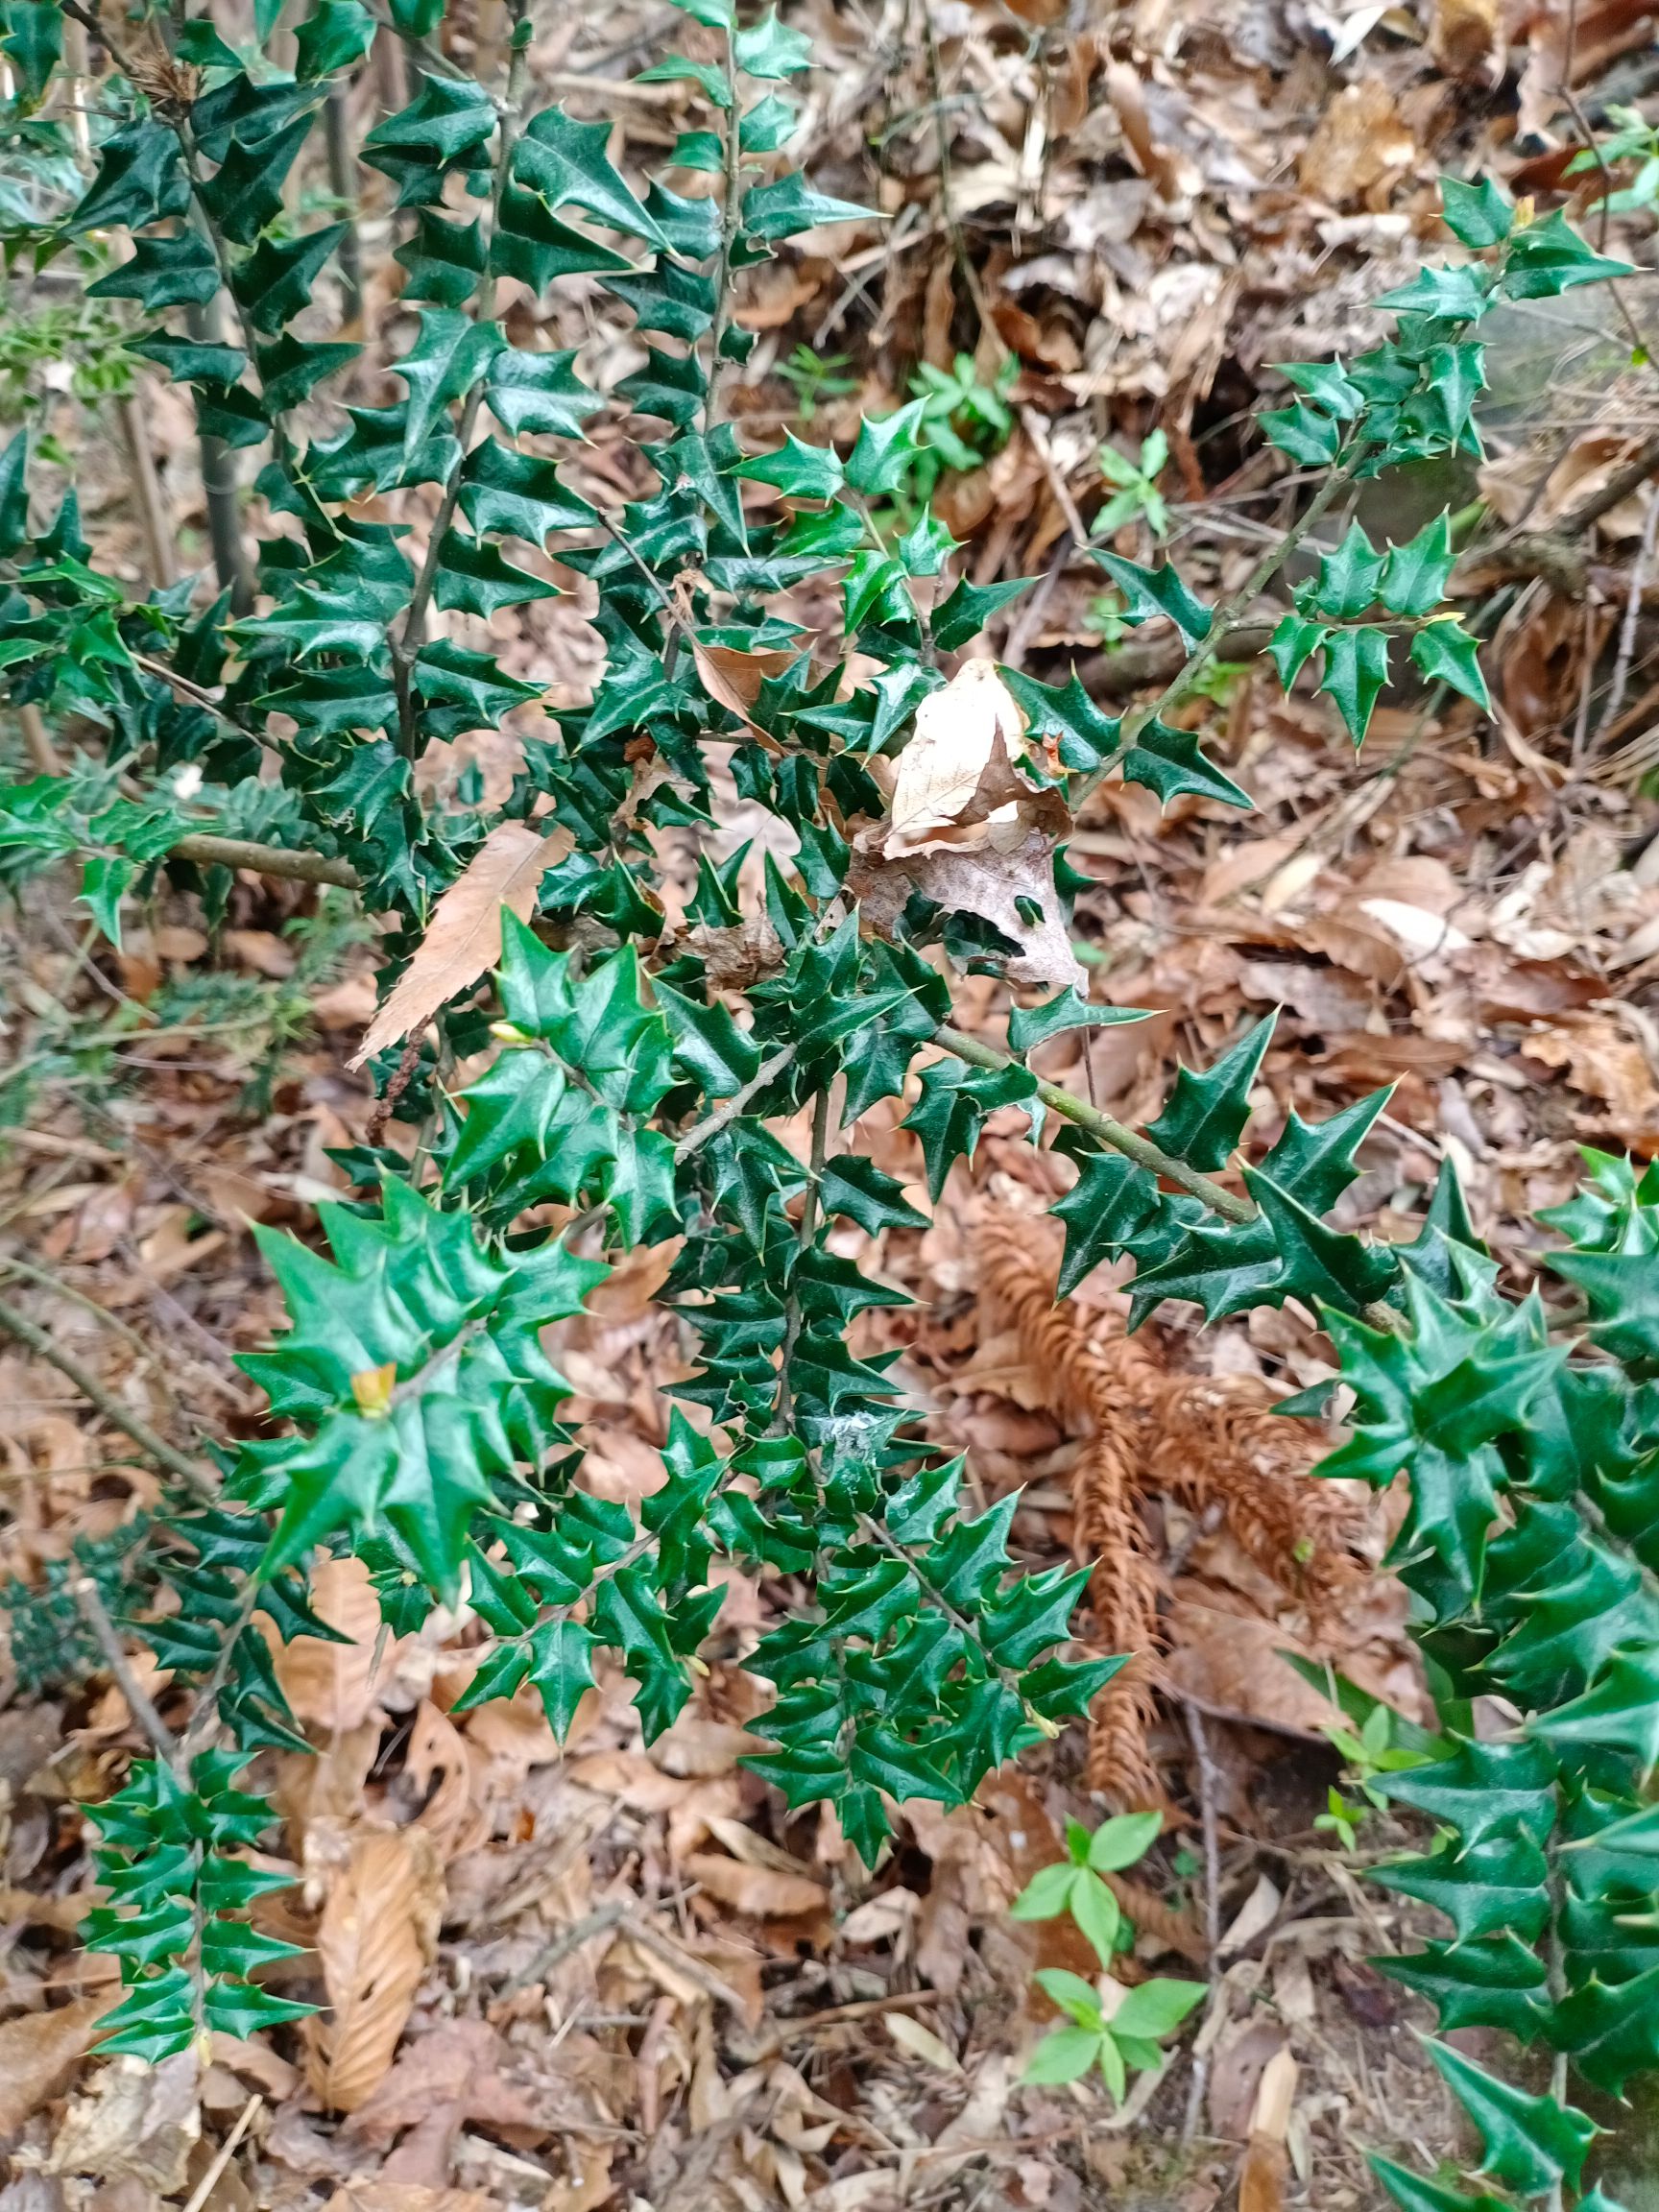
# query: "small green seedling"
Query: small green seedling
{"points": [[1637, 140], [1135, 496], [814, 377], [1371, 1753], [1112, 2028]]}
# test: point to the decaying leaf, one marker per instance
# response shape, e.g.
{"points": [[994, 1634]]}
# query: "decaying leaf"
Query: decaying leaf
{"points": [[442, 2082], [1261, 2178], [39, 2051], [969, 830], [464, 937], [378, 1936], [133, 2122], [920, 2042]]}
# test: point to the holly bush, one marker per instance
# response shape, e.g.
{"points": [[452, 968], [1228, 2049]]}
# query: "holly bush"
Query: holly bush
{"points": [[641, 1073]]}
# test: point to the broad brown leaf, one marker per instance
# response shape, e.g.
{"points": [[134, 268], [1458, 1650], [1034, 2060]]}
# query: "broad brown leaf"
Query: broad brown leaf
{"points": [[377, 1936], [464, 937], [40, 2051], [763, 1892]]}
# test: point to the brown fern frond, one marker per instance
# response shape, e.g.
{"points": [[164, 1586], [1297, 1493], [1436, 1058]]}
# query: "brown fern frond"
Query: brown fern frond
{"points": [[1216, 1441], [1208, 1441]]}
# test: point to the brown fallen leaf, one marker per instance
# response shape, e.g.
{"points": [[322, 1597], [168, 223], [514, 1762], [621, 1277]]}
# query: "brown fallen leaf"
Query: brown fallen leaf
{"points": [[442, 2082], [40, 2051], [735, 678], [763, 1892], [1467, 39], [338, 1687], [1602, 1060], [406, 2197], [969, 830], [377, 1938], [464, 937]]}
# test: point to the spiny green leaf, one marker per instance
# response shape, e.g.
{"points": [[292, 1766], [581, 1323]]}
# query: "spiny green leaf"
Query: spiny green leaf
{"points": [[1151, 592], [1476, 215], [1447, 654], [1528, 2143]]}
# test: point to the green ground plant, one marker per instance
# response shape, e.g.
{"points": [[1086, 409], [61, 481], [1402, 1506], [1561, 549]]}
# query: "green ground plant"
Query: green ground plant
{"points": [[641, 1078]]}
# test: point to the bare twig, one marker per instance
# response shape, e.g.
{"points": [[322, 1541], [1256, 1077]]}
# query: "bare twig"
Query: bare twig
{"points": [[1639, 573], [37, 743], [212, 852], [406, 644], [153, 518], [729, 1109], [1116, 1134], [343, 183], [567, 1941], [226, 2151], [138, 1701], [164, 1454]]}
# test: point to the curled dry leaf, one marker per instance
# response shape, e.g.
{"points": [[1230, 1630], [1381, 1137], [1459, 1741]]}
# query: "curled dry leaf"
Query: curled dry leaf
{"points": [[764, 1891], [337, 1686], [920, 2042], [464, 937], [735, 678], [970, 829], [378, 1936], [40, 2051]]}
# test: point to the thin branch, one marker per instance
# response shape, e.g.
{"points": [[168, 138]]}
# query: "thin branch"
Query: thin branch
{"points": [[164, 1454], [146, 496], [204, 1717], [1232, 611], [226, 2151], [803, 1239], [1120, 1138], [138, 1701], [729, 1109], [406, 644], [1115, 1134], [1209, 1789], [730, 211], [37, 742], [212, 852]]}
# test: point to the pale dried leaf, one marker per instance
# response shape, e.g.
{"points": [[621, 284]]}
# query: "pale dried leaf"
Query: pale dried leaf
{"points": [[920, 2042], [464, 937], [959, 767], [971, 832], [377, 1936]]}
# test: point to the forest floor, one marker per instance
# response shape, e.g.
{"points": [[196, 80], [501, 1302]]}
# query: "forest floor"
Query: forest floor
{"points": [[618, 1974]]}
